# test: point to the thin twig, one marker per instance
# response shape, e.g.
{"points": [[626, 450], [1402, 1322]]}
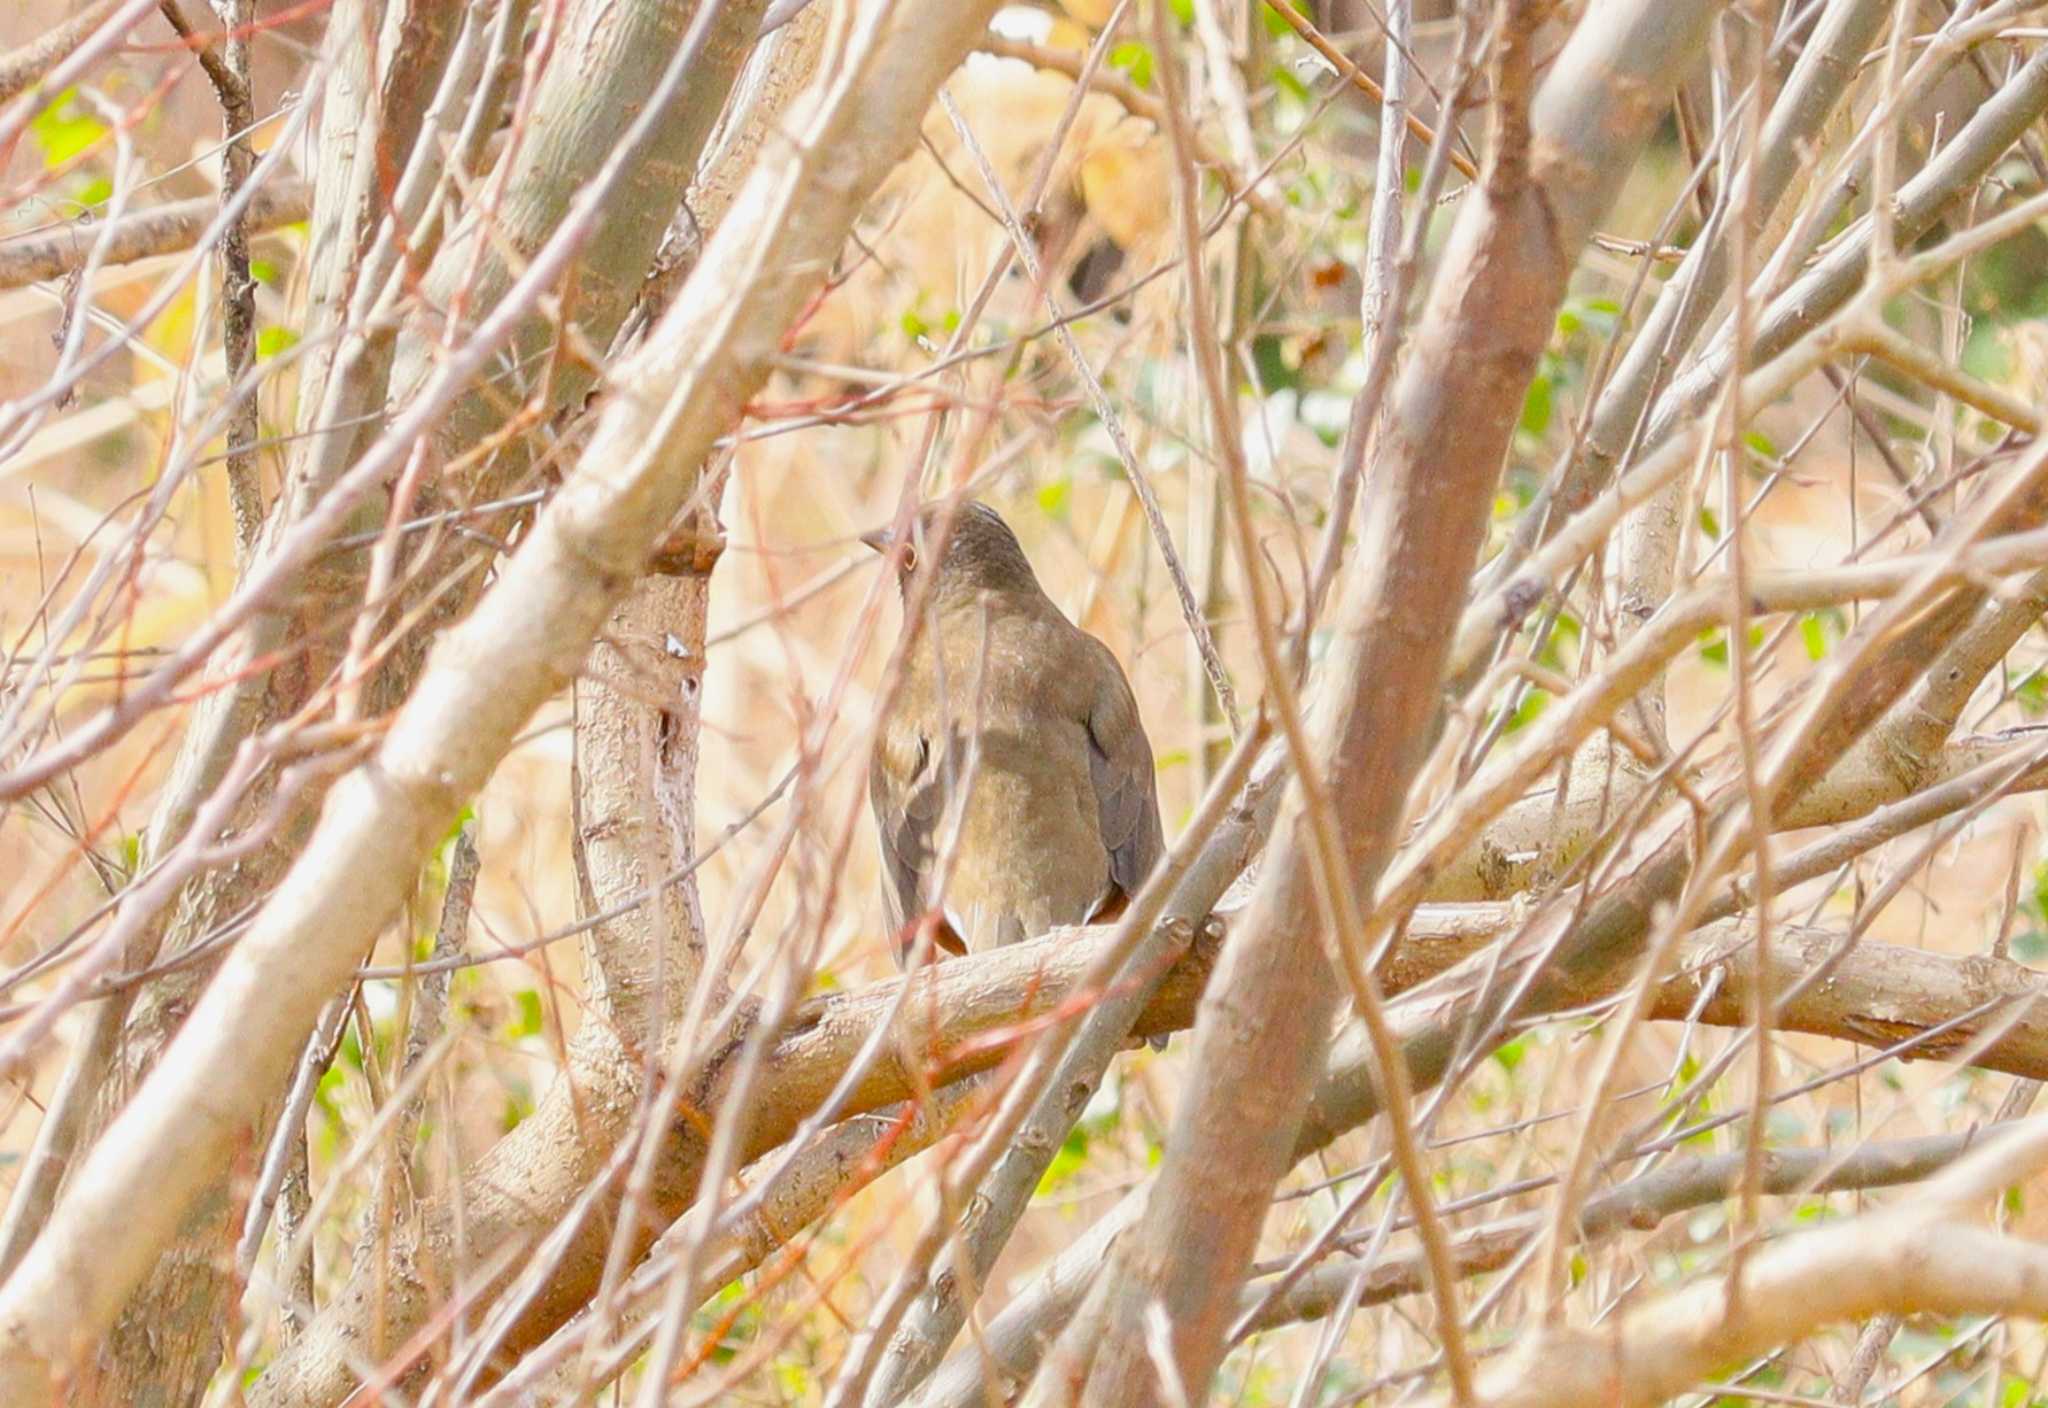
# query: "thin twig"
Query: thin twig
{"points": [[1112, 423], [227, 68], [19, 68]]}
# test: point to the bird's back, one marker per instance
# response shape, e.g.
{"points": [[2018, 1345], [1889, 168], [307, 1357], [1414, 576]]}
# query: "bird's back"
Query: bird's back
{"points": [[1008, 705]]}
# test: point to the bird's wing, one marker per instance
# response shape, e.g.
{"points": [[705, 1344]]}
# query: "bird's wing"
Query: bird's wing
{"points": [[908, 797], [1126, 791]]}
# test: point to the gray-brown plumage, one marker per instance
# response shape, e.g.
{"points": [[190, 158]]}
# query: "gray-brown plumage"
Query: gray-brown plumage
{"points": [[1004, 697]]}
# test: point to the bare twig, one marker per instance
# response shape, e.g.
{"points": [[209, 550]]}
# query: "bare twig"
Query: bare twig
{"points": [[1919, 1256], [1112, 423], [144, 234], [227, 67], [22, 67]]}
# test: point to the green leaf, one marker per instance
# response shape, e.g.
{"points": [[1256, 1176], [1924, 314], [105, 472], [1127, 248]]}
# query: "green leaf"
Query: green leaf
{"points": [[1288, 82], [2018, 1393], [1054, 497], [1595, 315], [1814, 634], [913, 326], [1510, 1053], [2032, 692], [97, 190], [64, 129], [263, 271], [1269, 362], [1714, 644], [1532, 706], [1070, 1160], [528, 1022], [738, 1312], [1276, 24], [453, 834], [1133, 57], [1536, 406], [272, 340], [1523, 484], [326, 1093]]}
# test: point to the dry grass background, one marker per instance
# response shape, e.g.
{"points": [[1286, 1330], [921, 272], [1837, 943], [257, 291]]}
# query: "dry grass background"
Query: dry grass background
{"points": [[795, 592]]}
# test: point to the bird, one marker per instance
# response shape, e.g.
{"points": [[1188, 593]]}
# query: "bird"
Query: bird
{"points": [[1013, 742]]}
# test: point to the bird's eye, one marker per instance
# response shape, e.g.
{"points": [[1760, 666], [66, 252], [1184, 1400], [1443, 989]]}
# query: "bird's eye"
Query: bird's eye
{"points": [[909, 557]]}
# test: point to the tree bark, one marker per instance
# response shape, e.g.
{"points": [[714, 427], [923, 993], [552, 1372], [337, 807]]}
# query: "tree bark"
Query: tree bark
{"points": [[375, 132], [1259, 1040], [524, 641]]}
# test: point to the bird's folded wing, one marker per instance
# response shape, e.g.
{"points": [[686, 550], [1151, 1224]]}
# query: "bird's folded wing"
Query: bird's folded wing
{"points": [[1126, 791], [907, 800]]}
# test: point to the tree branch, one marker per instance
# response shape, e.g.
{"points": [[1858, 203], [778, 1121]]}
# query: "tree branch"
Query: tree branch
{"points": [[20, 68], [1916, 1257], [1636, 1206], [1488, 320], [524, 641], [168, 229]]}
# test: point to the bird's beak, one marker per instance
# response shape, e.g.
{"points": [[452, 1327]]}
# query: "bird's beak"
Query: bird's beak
{"points": [[877, 538]]}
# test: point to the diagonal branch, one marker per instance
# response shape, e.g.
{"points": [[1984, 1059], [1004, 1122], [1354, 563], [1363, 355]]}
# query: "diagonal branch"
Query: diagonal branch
{"points": [[1920, 1256], [525, 640], [1637, 1205], [1487, 321]]}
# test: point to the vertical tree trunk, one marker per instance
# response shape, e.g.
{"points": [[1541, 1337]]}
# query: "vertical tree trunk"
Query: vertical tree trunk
{"points": [[1259, 1040]]}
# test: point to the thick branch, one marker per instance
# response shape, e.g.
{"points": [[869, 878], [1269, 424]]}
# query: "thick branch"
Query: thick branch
{"points": [[1818, 80], [167, 229], [1488, 319], [524, 642], [1920, 1256], [1992, 1012], [1638, 1205], [636, 769]]}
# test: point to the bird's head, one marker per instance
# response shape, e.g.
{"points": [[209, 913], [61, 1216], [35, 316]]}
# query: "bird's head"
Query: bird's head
{"points": [[979, 554]]}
